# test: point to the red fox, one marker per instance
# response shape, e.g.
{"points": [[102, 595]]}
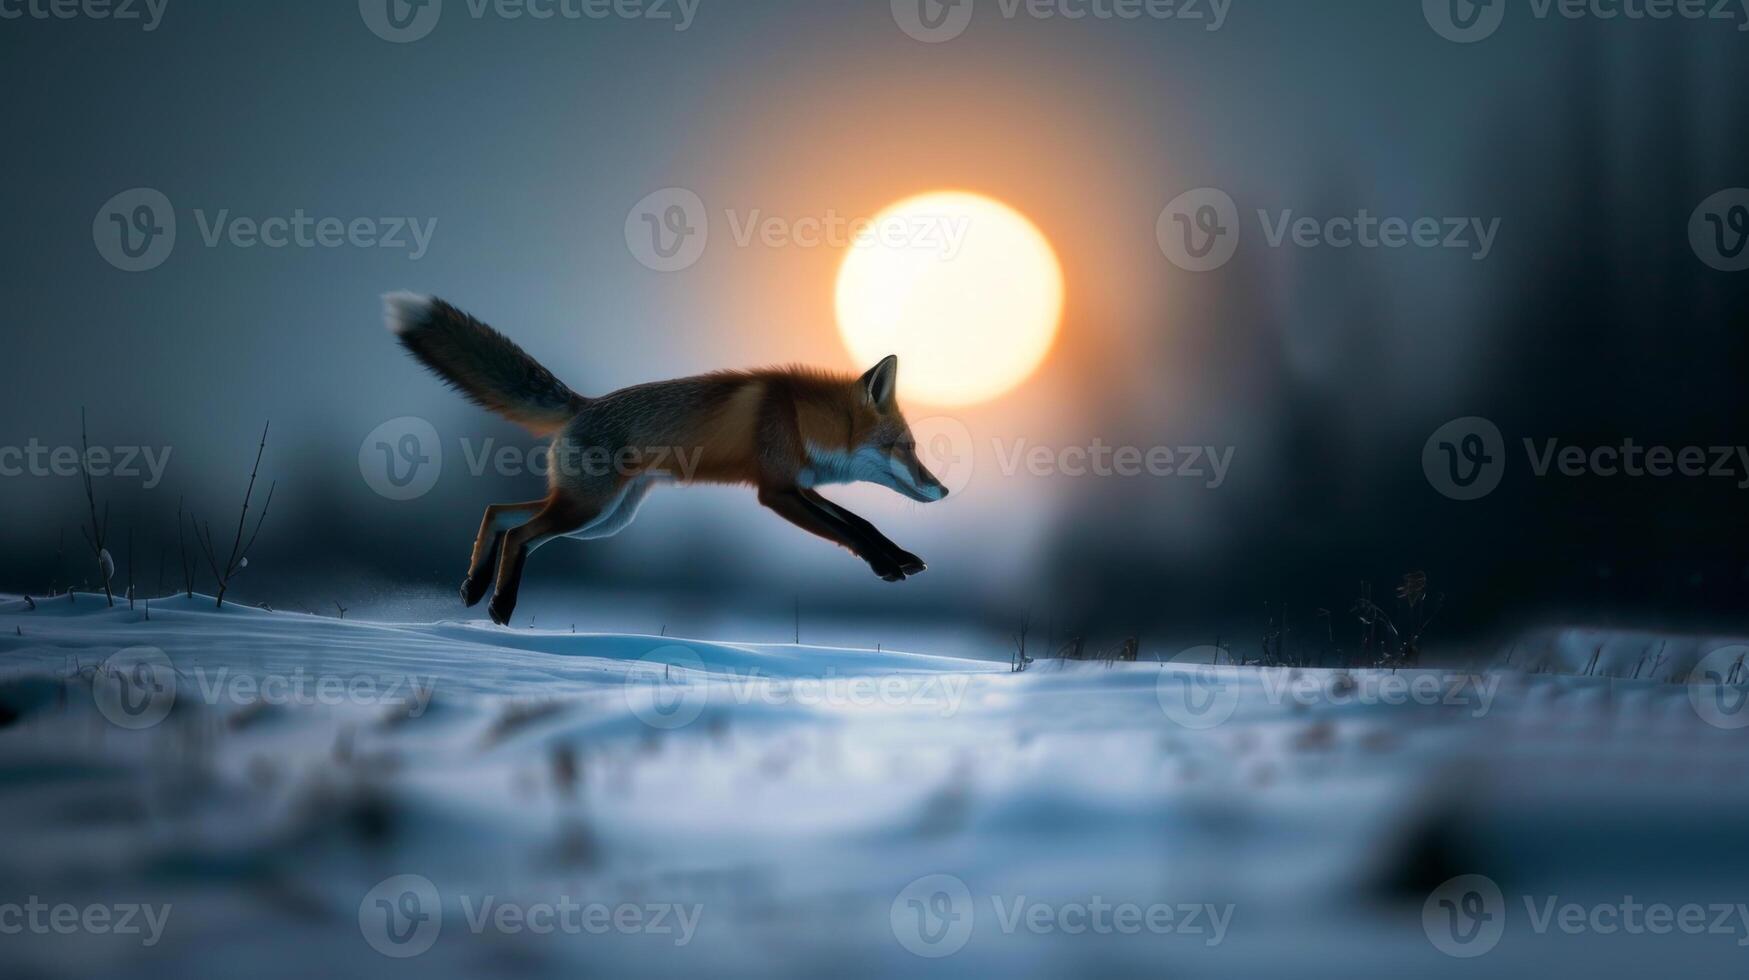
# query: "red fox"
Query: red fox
{"points": [[783, 431]]}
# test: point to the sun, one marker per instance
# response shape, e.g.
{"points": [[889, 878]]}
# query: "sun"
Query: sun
{"points": [[962, 287]]}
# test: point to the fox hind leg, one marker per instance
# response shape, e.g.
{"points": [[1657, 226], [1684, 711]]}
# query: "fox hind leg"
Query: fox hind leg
{"points": [[562, 513], [499, 519]]}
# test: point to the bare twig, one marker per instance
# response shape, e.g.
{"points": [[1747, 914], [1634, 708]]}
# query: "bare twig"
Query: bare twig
{"points": [[60, 552], [239, 556], [182, 542], [98, 530]]}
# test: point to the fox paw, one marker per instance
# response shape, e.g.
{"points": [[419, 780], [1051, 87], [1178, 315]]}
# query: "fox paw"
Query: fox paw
{"points": [[500, 609], [473, 591], [908, 563], [887, 569]]}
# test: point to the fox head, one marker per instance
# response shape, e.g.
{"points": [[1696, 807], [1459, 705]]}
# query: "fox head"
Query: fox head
{"points": [[881, 449]]}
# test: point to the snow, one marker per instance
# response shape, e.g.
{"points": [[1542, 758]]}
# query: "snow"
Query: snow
{"points": [[798, 799]]}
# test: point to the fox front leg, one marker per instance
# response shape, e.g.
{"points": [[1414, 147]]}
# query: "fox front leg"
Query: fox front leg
{"points": [[908, 563], [790, 504]]}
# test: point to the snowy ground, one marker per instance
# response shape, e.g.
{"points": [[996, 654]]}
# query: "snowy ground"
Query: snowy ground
{"points": [[240, 792]]}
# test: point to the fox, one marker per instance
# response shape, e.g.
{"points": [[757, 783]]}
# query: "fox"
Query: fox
{"points": [[783, 431]]}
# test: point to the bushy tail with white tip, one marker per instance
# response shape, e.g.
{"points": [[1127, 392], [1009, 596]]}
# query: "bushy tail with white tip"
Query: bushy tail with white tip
{"points": [[481, 363]]}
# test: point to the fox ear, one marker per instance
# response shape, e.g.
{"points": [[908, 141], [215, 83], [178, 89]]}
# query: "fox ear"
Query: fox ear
{"points": [[882, 380]]}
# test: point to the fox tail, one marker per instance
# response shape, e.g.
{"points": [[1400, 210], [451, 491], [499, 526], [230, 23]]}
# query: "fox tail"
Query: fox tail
{"points": [[481, 363]]}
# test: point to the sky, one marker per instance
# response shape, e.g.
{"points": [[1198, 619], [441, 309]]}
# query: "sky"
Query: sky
{"points": [[1510, 224]]}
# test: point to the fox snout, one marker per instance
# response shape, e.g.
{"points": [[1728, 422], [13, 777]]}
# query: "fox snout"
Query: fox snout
{"points": [[914, 479]]}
